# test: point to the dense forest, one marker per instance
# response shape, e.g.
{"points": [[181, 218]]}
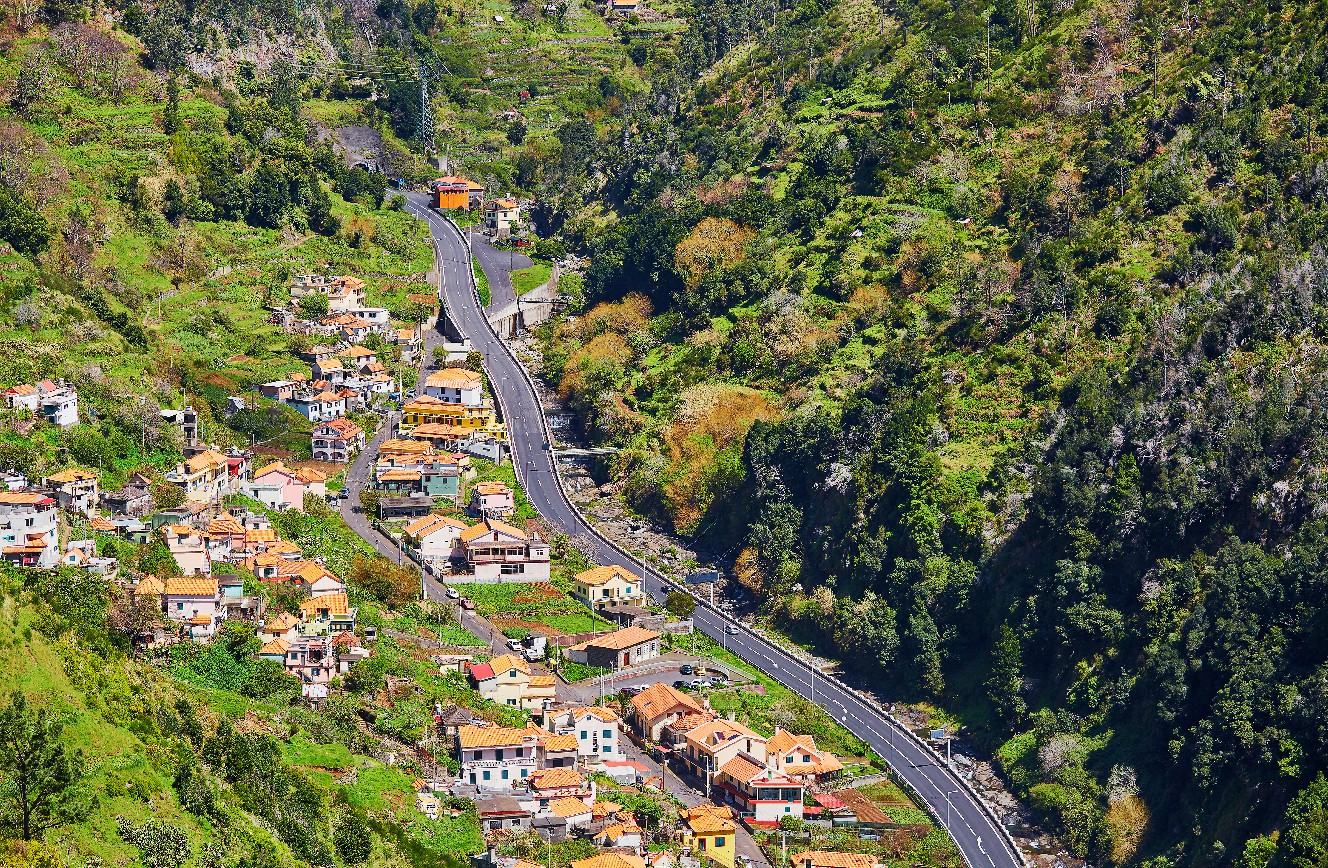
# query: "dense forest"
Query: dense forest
{"points": [[987, 345]]}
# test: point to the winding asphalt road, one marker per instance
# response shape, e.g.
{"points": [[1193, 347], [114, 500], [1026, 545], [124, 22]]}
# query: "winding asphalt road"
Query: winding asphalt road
{"points": [[976, 833], [498, 266]]}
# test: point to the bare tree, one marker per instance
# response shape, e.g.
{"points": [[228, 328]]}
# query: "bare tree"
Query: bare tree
{"points": [[33, 86]]}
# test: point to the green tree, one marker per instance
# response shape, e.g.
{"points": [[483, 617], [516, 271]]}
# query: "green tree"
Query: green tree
{"points": [[352, 841], [313, 306], [170, 120], [1006, 681], [1304, 840], [23, 226], [166, 495], [680, 604], [36, 768]]}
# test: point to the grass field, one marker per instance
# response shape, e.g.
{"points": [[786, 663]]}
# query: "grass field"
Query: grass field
{"points": [[533, 606], [526, 279]]}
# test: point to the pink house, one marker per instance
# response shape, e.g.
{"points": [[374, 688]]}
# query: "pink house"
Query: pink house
{"points": [[492, 498], [280, 487]]}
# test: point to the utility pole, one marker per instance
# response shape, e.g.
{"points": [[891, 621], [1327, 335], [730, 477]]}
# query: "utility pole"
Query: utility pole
{"points": [[425, 131]]}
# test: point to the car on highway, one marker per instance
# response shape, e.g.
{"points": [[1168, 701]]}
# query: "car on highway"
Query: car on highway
{"points": [[685, 669], [467, 604], [453, 594], [731, 629]]}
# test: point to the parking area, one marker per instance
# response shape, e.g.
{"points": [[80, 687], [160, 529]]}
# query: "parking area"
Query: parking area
{"points": [[693, 673]]}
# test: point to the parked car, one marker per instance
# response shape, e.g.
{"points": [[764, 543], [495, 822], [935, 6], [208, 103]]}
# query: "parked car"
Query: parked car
{"points": [[467, 603], [698, 683], [680, 684], [514, 644], [685, 669], [453, 594]]}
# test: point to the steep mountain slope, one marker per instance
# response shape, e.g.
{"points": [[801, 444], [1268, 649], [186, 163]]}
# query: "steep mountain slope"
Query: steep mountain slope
{"points": [[987, 344]]}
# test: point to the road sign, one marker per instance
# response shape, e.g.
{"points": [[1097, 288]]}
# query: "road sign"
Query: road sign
{"points": [[704, 577]]}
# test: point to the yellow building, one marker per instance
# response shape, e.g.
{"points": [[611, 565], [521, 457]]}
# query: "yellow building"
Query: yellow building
{"points": [[709, 831], [507, 680], [428, 410], [601, 585]]}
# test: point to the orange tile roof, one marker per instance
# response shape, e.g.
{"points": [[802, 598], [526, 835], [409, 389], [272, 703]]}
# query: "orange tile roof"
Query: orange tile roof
{"points": [[492, 488], [310, 474], [740, 768], [556, 779], [490, 736], [398, 474], [150, 586], [830, 859], [281, 623], [191, 586], [602, 575], [260, 535], [610, 860], [568, 807], [282, 546], [101, 524], [618, 640], [276, 646], [476, 531], [225, 524], [453, 378], [660, 699], [336, 604], [504, 662], [607, 715], [274, 467], [409, 447], [718, 732], [433, 523], [709, 819], [28, 497], [543, 681], [560, 742], [72, 474]]}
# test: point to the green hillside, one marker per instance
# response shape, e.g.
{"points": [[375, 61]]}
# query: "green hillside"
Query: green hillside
{"points": [[984, 345]]}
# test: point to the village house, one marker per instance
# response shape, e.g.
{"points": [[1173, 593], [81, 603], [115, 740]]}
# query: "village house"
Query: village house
{"points": [[204, 477], [343, 293], [659, 705], [501, 215], [452, 192], [456, 386], [492, 498], [75, 490], [426, 409], [331, 371], [134, 500], [337, 440], [760, 794], [407, 341], [798, 757], [561, 816], [711, 745], [329, 613], [496, 757], [508, 680], [546, 785], [278, 390], [629, 646], [610, 860], [501, 812], [709, 832], [600, 586], [622, 835], [316, 406], [28, 528], [437, 538], [283, 625], [832, 859], [558, 751], [189, 546], [193, 601], [498, 552], [403, 453], [312, 660], [597, 731], [277, 486]]}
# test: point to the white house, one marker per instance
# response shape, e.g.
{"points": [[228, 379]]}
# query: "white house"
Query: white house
{"points": [[456, 386], [494, 757], [438, 537], [597, 729], [193, 601], [28, 528], [498, 552]]}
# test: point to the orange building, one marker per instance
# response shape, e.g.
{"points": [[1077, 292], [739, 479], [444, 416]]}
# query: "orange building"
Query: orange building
{"points": [[454, 192]]}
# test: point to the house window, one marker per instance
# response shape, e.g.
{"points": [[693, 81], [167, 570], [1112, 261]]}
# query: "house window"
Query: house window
{"points": [[606, 593], [472, 777], [504, 774], [525, 772], [608, 748], [608, 733], [486, 775], [719, 842], [498, 754], [585, 734]]}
